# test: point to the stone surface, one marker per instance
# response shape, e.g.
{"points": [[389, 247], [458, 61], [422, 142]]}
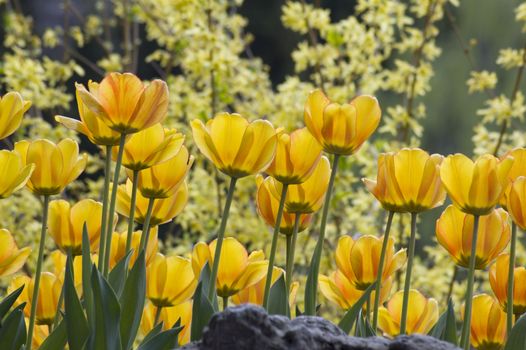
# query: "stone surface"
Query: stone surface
{"points": [[250, 327]]}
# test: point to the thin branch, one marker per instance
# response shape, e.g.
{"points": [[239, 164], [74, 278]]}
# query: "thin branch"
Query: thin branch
{"points": [[127, 34], [313, 42], [86, 61]]}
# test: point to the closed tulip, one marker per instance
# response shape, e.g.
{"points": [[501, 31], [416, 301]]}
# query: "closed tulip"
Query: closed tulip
{"points": [[517, 169], [475, 187], [516, 201], [235, 146], [358, 260], [12, 109], [169, 316], [237, 270], [14, 174], [125, 103], [17, 282], [341, 128], [408, 181], [454, 231], [59, 260], [56, 165], [498, 279], [11, 258], [160, 277], [47, 302], [296, 157], [422, 314], [254, 294], [488, 324], [118, 246]]}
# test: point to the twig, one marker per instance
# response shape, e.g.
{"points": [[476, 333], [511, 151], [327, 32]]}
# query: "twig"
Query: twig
{"points": [[313, 42], [86, 61]]}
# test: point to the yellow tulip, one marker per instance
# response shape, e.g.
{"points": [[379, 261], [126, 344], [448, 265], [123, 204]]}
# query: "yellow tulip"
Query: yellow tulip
{"points": [[254, 293], [268, 206], [160, 277], [475, 187], [150, 146], [164, 209], [56, 165], [498, 279], [237, 270], [90, 124], [516, 201], [118, 246], [488, 323], [125, 103], [296, 157], [14, 174], [341, 129], [169, 316], [59, 268], [12, 109], [422, 314], [358, 260], [47, 302], [517, 169], [235, 146], [408, 181], [39, 335], [11, 258], [163, 180], [454, 231]]}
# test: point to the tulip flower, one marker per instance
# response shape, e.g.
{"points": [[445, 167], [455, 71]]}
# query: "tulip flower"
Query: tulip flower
{"points": [[12, 109], [118, 246], [488, 326], [516, 201], [39, 336], [17, 282], [14, 174], [254, 294], [498, 279], [169, 316], [517, 169], [59, 260], [47, 301], [423, 314], [11, 258]]}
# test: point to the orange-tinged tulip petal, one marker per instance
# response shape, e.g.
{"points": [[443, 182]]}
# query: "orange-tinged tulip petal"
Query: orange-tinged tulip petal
{"points": [[516, 201], [47, 302], [254, 293], [488, 323], [59, 264], [313, 114], [517, 169], [169, 316], [12, 109], [17, 282], [11, 258], [13, 173], [118, 246], [498, 278]]}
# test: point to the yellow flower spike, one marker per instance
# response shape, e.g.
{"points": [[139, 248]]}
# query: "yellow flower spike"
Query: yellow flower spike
{"points": [[13, 173], [358, 260], [475, 187], [422, 314], [254, 293], [47, 302], [296, 157], [163, 180], [17, 282], [454, 231], [516, 201], [408, 181], [164, 209], [11, 258], [161, 273], [517, 169], [12, 109], [125, 103], [341, 129], [56, 165], [498, 279], [169, 316], [235, 146], [118, 246], [488, 324]]}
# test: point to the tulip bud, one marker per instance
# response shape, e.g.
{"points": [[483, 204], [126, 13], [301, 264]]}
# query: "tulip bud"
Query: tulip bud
{"points": [[12, 109]]}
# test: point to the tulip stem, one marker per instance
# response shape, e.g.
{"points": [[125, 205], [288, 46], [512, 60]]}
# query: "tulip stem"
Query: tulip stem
{"points": [[511, 270], [158, 310], [107, 175], [291, 249], [113, 200], [310, 306], [132, 210], [61, 296], [40, 259], [274, 245], [466, 328], [407, 284], [220, 236], [381, 269], [146, 227], [225, 303]]}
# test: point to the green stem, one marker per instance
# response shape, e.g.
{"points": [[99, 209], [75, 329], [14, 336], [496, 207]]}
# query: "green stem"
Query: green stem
{"points": [[381, 269], [132, 210], [274, 245], [102, 243], [225, 303], [220, 237], [291, 251], [466, 328], [40, 259], [310, 306], [511, 269], [61, 297], [158, 310], [407, 284], [113, 200], [146, 227]]}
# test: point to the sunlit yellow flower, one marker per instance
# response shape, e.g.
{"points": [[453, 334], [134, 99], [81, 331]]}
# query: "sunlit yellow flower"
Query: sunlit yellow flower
{"points": [[40, 333], [125, 103], [59, 267], [454, 230], [341, 129], [170, 280], [164, 209], [422, 314], [235, 146], [12, 109], [358, 260], [516, 201], [90, 124], [150, 146], [237, 270], [47, 302], [163, 180], [408, 181], [118, 246], [169, 316], [254, 293], [56, 165], [17, 282], [517, 169], [296, 157], [268, 206], [498, 279], [13, 173], [488, 323], [475, 187], [11, 258]]}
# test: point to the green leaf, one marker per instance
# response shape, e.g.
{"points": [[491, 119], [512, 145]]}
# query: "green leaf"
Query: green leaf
{"points": [[204, 277], [107, 314], [517, 338], [117, 277], [352, 314], [202, 308], [132, 298], [155, 330], [57, 339], [76, 323], [278, 301], [311, 287], [8, 301], [166, 340], [13, 332], [446, 326], [86, 280], [363, 327]]}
